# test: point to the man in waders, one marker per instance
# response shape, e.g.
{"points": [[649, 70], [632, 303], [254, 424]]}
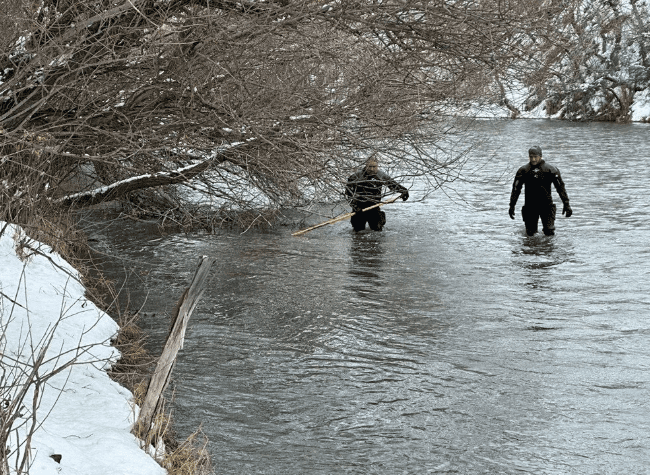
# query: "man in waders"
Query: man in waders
{"points": [[364, 189], [538, 175]]}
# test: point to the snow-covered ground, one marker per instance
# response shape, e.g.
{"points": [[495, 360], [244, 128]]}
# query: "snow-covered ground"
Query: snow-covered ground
{"points": [[640, 110], [82, 416]]}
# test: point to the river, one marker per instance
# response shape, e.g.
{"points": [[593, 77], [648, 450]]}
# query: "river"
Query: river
{"points": [[448, 343]]}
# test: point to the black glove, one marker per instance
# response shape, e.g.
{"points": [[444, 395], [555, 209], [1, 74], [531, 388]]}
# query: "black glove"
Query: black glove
{"points": [[405, 195], [567, 210], [511, 212]]}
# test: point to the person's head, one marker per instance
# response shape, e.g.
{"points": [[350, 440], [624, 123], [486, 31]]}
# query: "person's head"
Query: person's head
{"points": [[535, 155], [372, 166]]}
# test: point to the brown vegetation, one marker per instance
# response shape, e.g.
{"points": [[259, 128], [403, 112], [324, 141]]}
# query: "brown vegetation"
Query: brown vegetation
{"points": [[113, 91]]}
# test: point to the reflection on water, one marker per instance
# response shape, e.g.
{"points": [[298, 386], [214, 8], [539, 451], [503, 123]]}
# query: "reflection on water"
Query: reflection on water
{"points": [[366, 261], [448, 343], [540, 246]]}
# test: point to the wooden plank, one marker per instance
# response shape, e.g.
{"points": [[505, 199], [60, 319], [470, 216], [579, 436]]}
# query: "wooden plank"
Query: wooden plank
{"points": [[160, 378]]}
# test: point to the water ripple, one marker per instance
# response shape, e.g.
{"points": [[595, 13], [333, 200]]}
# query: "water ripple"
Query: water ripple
{"points": [[449, 343]]}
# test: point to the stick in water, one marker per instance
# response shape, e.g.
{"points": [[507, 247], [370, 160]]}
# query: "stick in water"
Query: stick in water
{"points": [[343, 216]]}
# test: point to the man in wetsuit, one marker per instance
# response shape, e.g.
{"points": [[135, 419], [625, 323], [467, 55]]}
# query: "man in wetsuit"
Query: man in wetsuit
{"points": [[538, 175], [364, 189]]}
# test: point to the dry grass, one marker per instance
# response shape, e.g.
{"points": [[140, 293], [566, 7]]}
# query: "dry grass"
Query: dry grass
{"points": [[23, 202], [190, 458], [133, 368]]}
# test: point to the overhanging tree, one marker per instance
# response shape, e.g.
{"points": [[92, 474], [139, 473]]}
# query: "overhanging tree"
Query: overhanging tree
{"points": [[273, 102]]}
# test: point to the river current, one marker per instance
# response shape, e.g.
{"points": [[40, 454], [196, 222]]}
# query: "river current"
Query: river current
{"points": [[448, 343]]}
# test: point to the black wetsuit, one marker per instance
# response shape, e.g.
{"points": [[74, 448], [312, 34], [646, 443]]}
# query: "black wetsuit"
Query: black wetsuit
{"points": [[363, 190], [538, 201]]}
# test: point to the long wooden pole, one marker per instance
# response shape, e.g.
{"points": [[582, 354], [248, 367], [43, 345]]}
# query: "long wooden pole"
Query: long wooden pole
{"points": [[344, 216]]}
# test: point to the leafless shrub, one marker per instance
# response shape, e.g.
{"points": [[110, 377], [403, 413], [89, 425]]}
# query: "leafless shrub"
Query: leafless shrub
{"points": [[110, 91], [28, 361]]}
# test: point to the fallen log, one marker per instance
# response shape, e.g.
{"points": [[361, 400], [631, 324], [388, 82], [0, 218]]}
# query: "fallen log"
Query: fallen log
{"points": [[153, 400]]}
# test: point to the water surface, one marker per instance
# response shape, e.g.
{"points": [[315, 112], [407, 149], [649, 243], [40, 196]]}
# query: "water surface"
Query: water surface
{"points": [[449, 343]]}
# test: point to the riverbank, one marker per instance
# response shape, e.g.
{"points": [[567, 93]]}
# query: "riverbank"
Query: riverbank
{"points": [[70, 396], [519, 108], [61, 411]]}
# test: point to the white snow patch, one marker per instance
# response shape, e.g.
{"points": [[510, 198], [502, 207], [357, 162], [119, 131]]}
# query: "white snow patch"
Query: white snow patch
{"points": [[641, 106], [86, 417]]}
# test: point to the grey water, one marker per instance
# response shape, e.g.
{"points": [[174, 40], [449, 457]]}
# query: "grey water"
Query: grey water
{"points": [[448, 343]]}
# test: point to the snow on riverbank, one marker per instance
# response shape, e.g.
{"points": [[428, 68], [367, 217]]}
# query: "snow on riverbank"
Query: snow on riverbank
{"points": [[82, 416]]}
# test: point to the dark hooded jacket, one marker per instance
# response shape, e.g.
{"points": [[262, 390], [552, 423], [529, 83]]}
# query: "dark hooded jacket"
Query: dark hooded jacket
{"points": [[538, 179], [364, 189]]}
